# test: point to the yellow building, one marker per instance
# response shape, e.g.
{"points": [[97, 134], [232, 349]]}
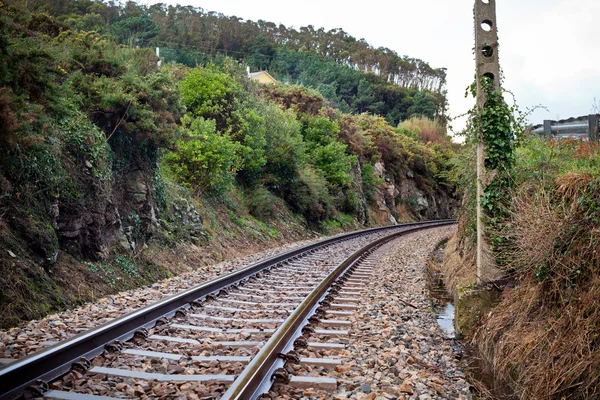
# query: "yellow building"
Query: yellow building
{"points": [[261, 77]]}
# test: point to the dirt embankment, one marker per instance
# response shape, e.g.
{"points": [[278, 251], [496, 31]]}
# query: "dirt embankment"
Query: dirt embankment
{"points": [[542, 336]]}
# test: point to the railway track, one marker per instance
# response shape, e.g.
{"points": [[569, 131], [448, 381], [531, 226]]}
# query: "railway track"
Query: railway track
{"points": [[229, 338]]}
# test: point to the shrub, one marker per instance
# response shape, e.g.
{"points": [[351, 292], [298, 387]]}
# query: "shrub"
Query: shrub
{"points": [[553, 235], [285, 150], [310, 197], [555, 208], [204, 157], [298, 98], [333, 161], [252, 140], [326, 152], [351, 202], [540, 159], [211, 94], [320, 131], [264, 204], [358, 141]]}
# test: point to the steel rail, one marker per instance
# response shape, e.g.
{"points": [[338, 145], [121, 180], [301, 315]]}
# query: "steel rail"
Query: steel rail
{"points": [[255, 379], [54, 361]]}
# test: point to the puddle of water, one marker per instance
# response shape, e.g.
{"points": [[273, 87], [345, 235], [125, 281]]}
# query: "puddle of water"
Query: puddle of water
{"points": [[441, 299], [445, 319]]}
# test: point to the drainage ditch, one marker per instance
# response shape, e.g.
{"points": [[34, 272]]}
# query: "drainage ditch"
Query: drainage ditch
{"points": [[477, 371]]}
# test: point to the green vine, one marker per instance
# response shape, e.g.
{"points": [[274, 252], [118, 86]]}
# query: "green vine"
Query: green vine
{"points": [[499, 126], [496, 122]]}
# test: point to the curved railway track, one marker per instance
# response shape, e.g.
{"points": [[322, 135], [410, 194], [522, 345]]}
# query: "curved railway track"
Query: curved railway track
{"points": [[229, 338]]}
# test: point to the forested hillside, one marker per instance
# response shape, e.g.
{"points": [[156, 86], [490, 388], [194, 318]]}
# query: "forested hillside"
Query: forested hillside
{"points": [[354, 75], [116, 172]]}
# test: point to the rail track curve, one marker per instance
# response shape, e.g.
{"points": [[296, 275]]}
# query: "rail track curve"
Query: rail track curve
{"points": [[295, 283]]}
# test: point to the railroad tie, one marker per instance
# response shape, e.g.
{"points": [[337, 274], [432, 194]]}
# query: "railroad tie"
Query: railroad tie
{"points": [[321, 362]]}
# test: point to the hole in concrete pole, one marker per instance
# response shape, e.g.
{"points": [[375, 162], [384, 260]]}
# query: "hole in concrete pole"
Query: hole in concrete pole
{"points": [[487, 25], [490, 76], [487, 51], [485, 1]]}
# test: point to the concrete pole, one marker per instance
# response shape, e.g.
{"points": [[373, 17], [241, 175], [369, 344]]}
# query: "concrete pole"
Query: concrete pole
{"points": [[593, 121], [486, 59], [158, 55], [547, 128]]}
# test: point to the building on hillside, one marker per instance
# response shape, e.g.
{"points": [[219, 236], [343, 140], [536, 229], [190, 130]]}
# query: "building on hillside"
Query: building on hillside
{"points": [[261, 77], [583, 128]]}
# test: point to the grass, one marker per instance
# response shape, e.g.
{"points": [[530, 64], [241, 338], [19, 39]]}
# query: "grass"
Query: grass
{"points": [[339, 223]]}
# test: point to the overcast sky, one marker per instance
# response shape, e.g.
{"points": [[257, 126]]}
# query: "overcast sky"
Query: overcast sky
{"points": [[549, 49]]}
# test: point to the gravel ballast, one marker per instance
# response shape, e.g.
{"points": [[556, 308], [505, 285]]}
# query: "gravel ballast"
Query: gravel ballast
{"points": [[393, 351], [38, 334]]}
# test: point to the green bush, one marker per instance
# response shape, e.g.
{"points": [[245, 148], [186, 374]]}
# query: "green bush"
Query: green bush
{"points": [[212, 94], [264, 204], [351, 203], [285, 150], [326, 152], [542, 160], [333, 161], [310, 196], [204, 157], [252, 140]]}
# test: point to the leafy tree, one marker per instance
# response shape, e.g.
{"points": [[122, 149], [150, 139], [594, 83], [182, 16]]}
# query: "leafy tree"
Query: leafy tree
{"points": [[333, 161], [87, 22], [334, 62], [422, 106], [261, 52], [328, 154], [135, 31], [365, 98], [320, 131], [252, 138]]}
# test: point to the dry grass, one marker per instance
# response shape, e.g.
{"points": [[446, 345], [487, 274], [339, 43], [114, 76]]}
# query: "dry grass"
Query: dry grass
{"points": [[535, 227], [547, 352], [426, 129], [571, 184], [544, 337]]}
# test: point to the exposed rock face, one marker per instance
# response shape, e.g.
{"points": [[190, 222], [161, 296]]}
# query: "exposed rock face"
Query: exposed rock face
{"points": [[90, 226], [87, 226], [357, 186], [187, 214], [403, 201]]}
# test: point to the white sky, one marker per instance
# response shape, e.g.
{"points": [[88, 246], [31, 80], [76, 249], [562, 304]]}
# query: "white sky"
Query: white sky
{"points": [[549, 49]]}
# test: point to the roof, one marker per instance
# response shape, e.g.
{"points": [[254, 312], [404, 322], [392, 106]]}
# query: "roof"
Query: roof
{"points": [[255, 74]]}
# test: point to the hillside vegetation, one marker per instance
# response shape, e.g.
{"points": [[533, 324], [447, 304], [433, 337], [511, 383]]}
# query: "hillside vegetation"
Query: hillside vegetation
{"points": [[352, 74], [115, 172]]}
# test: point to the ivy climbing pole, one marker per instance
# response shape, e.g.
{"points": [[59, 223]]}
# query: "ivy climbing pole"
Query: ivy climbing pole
{"points": [[488, 83]]}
